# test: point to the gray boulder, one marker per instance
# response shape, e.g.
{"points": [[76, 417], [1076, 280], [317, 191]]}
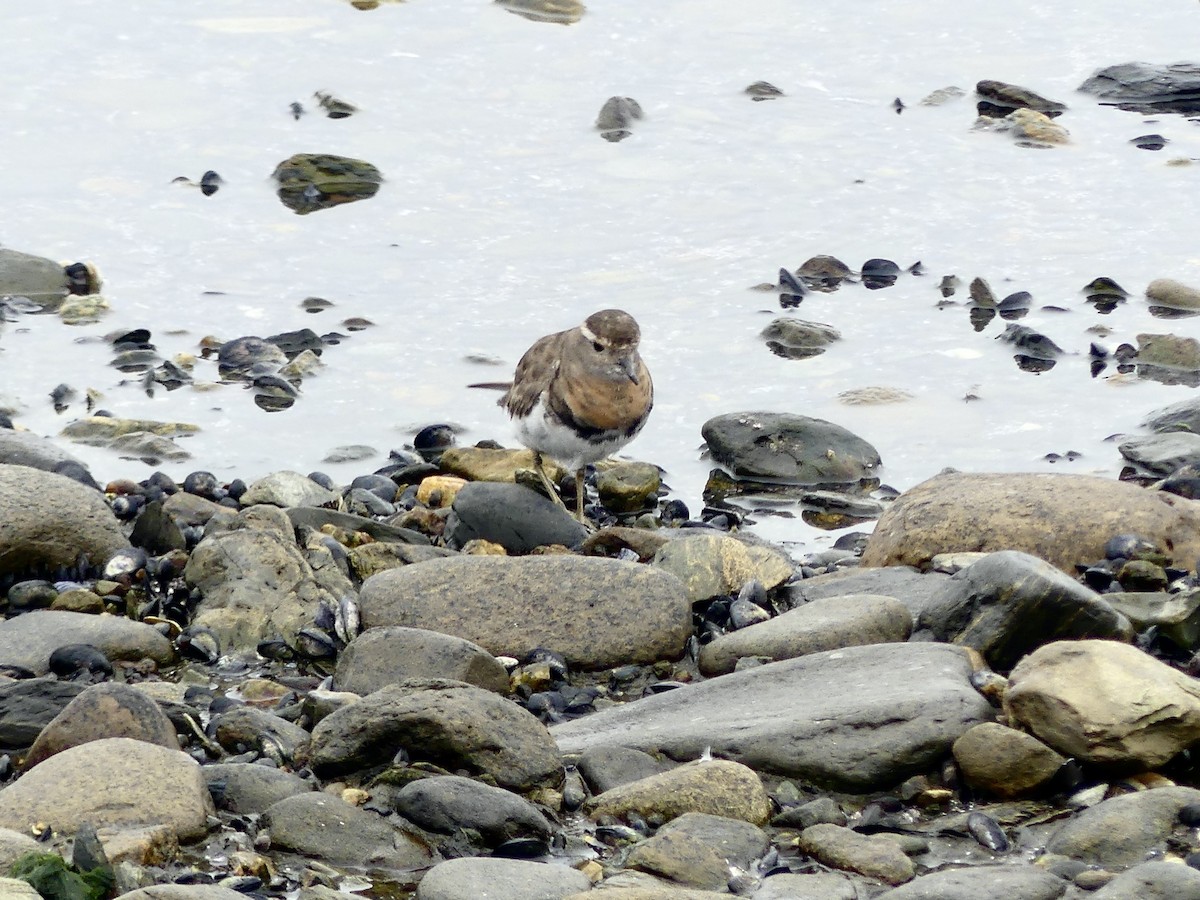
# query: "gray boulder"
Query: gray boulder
{"points": [[447, 803], [598, 613], [1155, 880], [24, 448], [1181, 416], [326, 827], [788, 447], [287, 489], [28, 706], [858, 719], [391, 653], [49, 521], [500, 879], [449, 723], [1162, 454], [1063, 519], [1147, 88], [906, 584], [827, 624], [29, 639], [975, 882], [1123, 830], [251, 788], [1009, 603]]}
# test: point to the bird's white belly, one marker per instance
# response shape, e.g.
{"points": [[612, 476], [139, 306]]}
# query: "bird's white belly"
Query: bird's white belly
{"points": [[561, 443]]}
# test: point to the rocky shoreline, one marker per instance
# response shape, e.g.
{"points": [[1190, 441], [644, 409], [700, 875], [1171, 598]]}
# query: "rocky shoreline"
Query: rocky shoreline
{"points": [[434, 683]]}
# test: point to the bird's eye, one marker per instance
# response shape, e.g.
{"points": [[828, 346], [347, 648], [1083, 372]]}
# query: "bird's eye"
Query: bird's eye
{"points": [[597, 346]]}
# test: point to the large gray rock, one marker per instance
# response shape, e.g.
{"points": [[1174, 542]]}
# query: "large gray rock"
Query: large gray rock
{"points": [[598, 613], [288, 489], [818, 886], [391, 653], [820, 625], [29, 639], [251, 788], [449, 723], [910, 587], [1008, 603], [859, 719], [872, 855], [255, 584], [104, 711], [1063, 519], [1161, 454], [1182, 416], [788, 447], [27, 706], [48, 521], [515, 517], [976, 882], [1122, 831], [154, 786], [326, 827], [471, 878], [24, 448], [1155, 880], [444, 804], [183, 892], [1105, 703], [1147, 88]]}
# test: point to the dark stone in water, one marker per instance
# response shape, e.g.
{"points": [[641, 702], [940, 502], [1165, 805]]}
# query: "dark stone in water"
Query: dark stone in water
{"points": [[431, 440], [1030, 343], [76, 472], [294, 343], [1148, 89]]}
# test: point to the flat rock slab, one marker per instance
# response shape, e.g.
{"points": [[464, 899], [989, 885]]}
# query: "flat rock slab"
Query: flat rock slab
{"points": [[1063, 519], [48, 521], [144, 785], [910, 587], [828, 624], [328, 828], [858, 719], [598, 613], [28, 640], [977, 882], [1123, 830], [471, 878]]}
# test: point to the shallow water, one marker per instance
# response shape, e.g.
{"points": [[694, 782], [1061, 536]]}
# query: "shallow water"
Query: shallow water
{"points": [[505, 216]]}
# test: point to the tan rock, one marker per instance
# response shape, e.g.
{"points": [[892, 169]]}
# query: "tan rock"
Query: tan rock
{"points": [[713, 564], [1105, 702], [714, 786], [486, 464], [1005, 762], [114, 782], [871, 855], [1063, 519]]}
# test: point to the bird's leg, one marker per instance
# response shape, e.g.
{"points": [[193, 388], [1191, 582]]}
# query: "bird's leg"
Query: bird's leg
{"points": [[579, 495], [546, 482]]}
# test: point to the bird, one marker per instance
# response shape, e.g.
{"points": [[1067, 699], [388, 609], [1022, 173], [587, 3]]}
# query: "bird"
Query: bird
{"points": [[580, 395]]}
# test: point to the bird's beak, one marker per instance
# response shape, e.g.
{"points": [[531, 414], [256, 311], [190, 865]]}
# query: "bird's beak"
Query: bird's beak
{"points": [[629, 367]]}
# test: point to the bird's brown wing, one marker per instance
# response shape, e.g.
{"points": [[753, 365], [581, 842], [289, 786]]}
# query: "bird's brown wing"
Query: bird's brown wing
{"points": [[535, 371]]}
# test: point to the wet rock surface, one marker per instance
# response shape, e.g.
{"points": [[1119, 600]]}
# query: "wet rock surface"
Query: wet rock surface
{"points": [[377, 698]]}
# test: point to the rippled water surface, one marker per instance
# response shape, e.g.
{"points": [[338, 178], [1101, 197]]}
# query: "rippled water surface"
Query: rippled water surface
{"points": [[505, 216]]}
